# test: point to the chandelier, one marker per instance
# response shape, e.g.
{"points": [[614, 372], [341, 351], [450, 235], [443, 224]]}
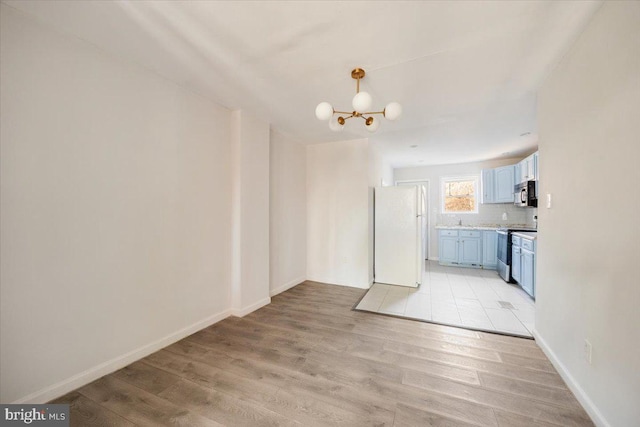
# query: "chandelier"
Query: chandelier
{"points": [[361, 105]]}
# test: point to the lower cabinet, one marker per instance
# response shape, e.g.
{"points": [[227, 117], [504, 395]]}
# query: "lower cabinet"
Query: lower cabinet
{"points": [[470, 250], [523, 263], [527, 273], [460, 247], [489, 250], [516, 262], [448, 250]]}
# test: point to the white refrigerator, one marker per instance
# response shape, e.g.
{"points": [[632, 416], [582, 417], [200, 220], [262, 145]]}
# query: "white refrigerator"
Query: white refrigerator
{"points": [[400, 224]]}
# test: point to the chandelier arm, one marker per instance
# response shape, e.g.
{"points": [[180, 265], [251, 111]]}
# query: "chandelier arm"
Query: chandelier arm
{"points": [[349, 117], [341, 112], [375, 112]]}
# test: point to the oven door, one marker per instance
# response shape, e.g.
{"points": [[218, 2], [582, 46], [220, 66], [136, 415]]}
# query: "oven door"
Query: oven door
{"points": [[504, 255]]}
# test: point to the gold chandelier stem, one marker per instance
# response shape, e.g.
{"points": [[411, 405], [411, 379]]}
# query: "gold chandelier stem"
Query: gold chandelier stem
{"points": [[375, 112], [357, 74], [341, 112]]}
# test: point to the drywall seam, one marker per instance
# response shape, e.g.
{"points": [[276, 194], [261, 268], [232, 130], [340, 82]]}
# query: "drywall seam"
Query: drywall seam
{"points": [[290, 284], [65, 386], [581, 395]]}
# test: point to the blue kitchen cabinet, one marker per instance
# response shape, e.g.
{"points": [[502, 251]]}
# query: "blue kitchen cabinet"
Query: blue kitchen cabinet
{"points": [[488, 184], [516, 262], [504, 181], [463, 247], [497, 184], [470, 247], [470, 250], [448, 250], [523, 263], [527, 273], [489, 250], [527, 169], [448, 246]]}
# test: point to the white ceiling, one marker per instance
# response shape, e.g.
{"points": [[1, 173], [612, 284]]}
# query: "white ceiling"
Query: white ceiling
{"points": [[466, 73]]}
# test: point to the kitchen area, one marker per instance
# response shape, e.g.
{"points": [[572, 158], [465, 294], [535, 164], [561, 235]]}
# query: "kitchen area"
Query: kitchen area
{"points": [[509, 248], [480, 258]]}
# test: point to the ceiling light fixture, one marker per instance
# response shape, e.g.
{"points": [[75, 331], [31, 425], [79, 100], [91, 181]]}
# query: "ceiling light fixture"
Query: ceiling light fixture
{"points": [[361, 103]]}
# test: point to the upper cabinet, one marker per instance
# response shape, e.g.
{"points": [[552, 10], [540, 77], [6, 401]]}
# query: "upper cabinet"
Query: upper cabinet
{"points": [[497, 184], [504, 182], [488, 182], [527, 169]]}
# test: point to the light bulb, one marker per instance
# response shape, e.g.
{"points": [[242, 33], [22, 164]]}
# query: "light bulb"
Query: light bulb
{"points": [[392, 111], [324, 111], [362, 102], [335, 126], [375, 124]]}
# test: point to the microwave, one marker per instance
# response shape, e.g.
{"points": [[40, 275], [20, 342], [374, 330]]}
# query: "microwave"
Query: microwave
{"points": [[525, 194]]}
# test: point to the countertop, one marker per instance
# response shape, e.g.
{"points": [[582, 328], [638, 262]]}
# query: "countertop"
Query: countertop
{"points": [[531, 235], [478, 226]]}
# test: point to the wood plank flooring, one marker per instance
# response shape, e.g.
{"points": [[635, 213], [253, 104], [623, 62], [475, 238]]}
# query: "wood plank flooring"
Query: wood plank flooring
{"points": [[307, 359]]}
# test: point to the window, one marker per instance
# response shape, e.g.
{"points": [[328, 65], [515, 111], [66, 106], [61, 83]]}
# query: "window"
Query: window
{"points": [[459, 194]]}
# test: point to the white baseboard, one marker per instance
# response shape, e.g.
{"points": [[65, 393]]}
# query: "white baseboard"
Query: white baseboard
{"points": [[290, 284], [435, 258], [241, 312], [588, 405], [65, 386]]}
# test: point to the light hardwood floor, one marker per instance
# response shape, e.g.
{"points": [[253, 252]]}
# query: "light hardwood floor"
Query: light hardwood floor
{"points": [[308, 359]]}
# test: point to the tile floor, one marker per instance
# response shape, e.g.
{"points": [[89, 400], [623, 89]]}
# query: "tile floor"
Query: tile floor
{"points": [[457, 296]]}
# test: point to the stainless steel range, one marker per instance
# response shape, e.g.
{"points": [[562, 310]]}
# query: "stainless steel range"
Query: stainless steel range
{"points": [[504, 251]]}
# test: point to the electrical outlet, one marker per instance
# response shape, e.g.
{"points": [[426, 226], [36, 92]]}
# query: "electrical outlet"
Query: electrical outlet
{"points": [[587, 351]]}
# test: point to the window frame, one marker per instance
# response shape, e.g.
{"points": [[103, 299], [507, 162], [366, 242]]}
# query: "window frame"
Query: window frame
{"points": [[476, 187]]}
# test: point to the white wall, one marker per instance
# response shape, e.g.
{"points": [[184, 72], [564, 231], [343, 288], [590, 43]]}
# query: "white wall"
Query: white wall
{"points": [[380, 170], [288, 213], [250, 241], [380, 175], [587, 281], [487, 213], [115, 195], [338, 199]]}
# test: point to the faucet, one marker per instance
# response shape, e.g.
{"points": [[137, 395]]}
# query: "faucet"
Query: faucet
{"points": [[460, 221]]}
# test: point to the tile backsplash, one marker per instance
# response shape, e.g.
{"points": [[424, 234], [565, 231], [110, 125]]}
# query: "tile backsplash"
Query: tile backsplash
{"points": [[492, 214]]}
